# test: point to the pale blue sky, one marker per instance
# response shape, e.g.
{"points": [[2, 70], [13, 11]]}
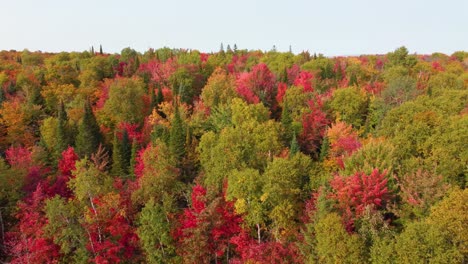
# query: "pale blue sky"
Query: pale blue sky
{"points": [[332, 27]]}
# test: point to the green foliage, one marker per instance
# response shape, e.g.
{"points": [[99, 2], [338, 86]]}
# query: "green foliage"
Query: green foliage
{"points": [[400, 57], [377, 153], [63, 135], [125, 103], [251, 141], [285, 181], [65, 229], [350, 105], [177, 134], [245, 187], [154, 232], [160, 176], [118, 159], [334, 244], [133, 159], [220, 89], [89, 135], [89, 181]]}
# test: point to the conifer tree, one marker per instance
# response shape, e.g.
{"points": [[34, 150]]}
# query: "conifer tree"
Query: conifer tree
{"points": [[89, 135], [353, 80], [126, 151], [177, 136], [62, 140], [286, 121], [133, 159], [294, 148], [325, 148], [117, 157], [100, 50]]}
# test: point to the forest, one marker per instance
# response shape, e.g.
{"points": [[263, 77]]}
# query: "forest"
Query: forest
{"points": [[235, 156]]}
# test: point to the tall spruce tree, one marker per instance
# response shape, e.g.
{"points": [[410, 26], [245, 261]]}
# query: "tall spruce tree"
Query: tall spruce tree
{"points": [[126, 151], [89, 135], [63, 137], [294, 148], [177, 136], [133, 157], [117, 157], [286, 121]]}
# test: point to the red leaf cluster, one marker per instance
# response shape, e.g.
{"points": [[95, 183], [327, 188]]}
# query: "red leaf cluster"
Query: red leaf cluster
{"points": [[354, 193]]}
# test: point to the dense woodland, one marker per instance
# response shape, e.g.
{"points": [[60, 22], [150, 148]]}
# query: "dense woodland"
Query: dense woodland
{"points": [[177, 156]]}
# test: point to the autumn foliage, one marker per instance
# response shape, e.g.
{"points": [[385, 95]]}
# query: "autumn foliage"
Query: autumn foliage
{"points": [[236, 156]]}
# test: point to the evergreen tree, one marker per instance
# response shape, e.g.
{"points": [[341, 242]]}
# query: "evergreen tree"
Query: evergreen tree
{"points": [[294, 148], [133, 157], [353, 80], [159, 96], [126, 151], [2, 95], [156, 100], [89, 135], [177, 136], [221, 49], [117, 157], [63, 139], [324, 149], [121, 154], [100, 50], [286, 121]]}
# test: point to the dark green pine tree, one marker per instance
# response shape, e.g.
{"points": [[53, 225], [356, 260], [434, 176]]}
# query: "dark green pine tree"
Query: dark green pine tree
{"points": [[159, 96], [117, 157], [177, 136], [121, 154], [324, 149], [126, 151], [353, 80], [2, 95], [133, 156], [286, 121], [89, 135], [294, 147], [100, 50], [63, 137], [156, 100], [152, 99]]}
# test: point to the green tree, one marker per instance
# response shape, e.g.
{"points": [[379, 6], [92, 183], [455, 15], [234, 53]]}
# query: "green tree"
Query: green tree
{"points": [[250, 141], [177, 136], [125, 103], [117, 157], [62, 133], [133, 159], [89, 135], [154, 231], [334, 244], [64, 227], [160, 176], [350, 105], [220, 89], [285, 182], [121, 154]]}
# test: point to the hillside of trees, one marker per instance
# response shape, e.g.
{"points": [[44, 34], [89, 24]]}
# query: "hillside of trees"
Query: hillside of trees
{"points": [[178, 156]]}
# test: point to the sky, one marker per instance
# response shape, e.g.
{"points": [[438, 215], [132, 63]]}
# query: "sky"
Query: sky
{"points": [[330, 27]]}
